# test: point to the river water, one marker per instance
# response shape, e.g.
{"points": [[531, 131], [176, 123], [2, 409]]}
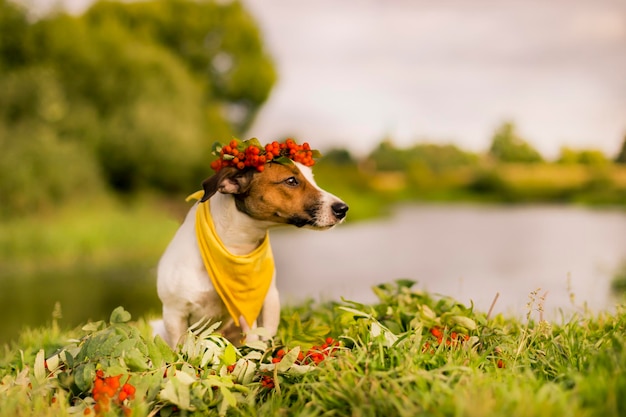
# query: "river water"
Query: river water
{"points": [[468, 252]]}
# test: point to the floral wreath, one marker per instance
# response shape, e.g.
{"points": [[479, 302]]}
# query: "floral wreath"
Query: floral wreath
{"points": [[250, 153]]}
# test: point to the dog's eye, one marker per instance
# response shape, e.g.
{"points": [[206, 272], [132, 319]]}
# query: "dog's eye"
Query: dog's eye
{"points": [[291, 181]]}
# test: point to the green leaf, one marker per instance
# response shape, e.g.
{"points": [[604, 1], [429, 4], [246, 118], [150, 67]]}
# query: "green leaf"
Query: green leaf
{"points": [[282, 160], [315, 153], [168, 354], [356, 313], [94, 326], [405, 283], [84, 375], [463, 321], [40, 366], [288, 360], [216, 148], [53, 362], [119, 315], [176, 392], [244, 371], [253, 141], [377, 330], [123, 346], [228, 401], [230, 355], [136, 361]]}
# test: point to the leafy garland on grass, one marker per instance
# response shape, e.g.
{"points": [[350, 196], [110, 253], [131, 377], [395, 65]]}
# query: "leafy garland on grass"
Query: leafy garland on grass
{"points": [[114, 370]]}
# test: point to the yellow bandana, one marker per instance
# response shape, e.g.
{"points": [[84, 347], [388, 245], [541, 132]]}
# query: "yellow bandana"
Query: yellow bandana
{"points": [[241, 281]]}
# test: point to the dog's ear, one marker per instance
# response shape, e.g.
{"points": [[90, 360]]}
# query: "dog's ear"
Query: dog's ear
{"points": [[227, 180]]}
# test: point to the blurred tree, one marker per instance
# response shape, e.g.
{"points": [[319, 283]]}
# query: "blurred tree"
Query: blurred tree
{"points": [[217, 41], [387, 157], [38, 170], [621, 156], [507, 146], [592, 157], [339, 156], [440, 158], [435, 157], [140, 90], [14, 46]]}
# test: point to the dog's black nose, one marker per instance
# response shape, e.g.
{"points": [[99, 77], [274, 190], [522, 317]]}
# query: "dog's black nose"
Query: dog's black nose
{"points": [[340, 209]]}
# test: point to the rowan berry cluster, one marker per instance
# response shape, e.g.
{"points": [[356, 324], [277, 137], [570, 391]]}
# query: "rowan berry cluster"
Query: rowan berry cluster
{"points": [[250, 153], [455, 339], [107, 390], [313, 356]]}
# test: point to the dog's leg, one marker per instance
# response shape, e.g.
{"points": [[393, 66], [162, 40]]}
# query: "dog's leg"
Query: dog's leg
{"points": [[245, 330], [176, 324], [270, 316]]}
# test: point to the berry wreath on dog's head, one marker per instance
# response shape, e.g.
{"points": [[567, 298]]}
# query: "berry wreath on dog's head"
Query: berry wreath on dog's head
{"points": [[250, 153]]}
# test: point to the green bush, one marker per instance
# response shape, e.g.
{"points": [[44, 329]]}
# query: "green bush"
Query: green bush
{"points": [[138, 91], [508, 146], [38, 170]]}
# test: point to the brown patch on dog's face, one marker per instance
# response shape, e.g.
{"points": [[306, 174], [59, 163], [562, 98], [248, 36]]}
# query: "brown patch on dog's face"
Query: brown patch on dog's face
{"points": [[281, 194]]}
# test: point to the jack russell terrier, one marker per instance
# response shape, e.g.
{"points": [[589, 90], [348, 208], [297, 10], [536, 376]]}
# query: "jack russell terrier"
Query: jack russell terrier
{"points": [[219, 265]]}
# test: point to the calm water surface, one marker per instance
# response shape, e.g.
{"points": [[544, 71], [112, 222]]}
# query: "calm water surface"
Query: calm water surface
{"points": [[467, 252]]}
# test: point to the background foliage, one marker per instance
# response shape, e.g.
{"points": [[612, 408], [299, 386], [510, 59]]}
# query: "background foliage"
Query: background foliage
{"points": [[127, 96]]}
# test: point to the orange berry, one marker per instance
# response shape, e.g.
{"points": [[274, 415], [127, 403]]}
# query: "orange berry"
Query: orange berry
{"points": [[260, 168], [233, 143], [241, 165], [122, 396], [436, 331], [269, 156], [113, 381], [227, 149]]}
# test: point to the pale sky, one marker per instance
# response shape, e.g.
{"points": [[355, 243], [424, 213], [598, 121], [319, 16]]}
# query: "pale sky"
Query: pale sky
{"points": [[354, 71]]}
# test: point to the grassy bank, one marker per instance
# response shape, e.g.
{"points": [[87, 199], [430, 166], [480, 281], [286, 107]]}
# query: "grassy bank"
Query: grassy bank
{"points": [[90, 256], [410, 354]]}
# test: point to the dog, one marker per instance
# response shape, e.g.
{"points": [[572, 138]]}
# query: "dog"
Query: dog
{"points": [[243, 205]]}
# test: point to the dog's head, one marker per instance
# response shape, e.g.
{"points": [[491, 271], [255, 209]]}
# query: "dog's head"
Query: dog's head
{"points": [[282, 194]]}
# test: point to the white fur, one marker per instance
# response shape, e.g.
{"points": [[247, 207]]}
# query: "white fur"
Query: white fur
{"points": [[184, 285]]}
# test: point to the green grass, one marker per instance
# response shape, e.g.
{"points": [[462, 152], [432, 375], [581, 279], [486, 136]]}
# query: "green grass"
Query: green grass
{"points": [[392, 360]]}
